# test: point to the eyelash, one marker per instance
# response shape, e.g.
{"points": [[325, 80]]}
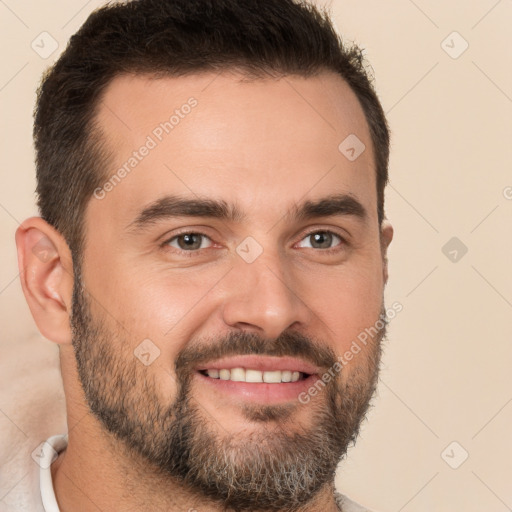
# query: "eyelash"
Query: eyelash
{"points": [[196, 252]]}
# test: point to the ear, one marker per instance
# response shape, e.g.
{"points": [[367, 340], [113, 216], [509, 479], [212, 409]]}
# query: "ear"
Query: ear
{"points": [[46, 273], [386, 235]]}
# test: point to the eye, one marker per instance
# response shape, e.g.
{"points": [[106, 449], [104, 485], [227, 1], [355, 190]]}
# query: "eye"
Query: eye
{"points": [[189, 242], [321, 240]]}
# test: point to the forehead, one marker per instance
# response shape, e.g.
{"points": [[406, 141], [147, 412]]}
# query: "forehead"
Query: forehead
{"points": [[264, 143]]}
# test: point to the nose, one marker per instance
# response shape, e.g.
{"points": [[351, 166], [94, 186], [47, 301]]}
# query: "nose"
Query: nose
{"points": [[264, 297]]}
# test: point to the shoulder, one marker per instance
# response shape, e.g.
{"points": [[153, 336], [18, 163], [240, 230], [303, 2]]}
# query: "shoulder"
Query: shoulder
{"points": [[347, 505], [33, 407]]}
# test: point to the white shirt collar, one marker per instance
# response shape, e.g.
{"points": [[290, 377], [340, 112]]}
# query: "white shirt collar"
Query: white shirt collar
{"points": [[49, 453]]}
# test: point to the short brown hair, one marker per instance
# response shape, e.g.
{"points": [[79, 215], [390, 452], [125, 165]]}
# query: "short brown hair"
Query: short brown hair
{"points": [[176, 38]]}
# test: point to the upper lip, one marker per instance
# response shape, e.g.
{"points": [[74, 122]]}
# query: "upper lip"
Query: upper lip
{"points": [[261, 363]]}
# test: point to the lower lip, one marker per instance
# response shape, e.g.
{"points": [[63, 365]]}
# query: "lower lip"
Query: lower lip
{"points": [[260, 392]]}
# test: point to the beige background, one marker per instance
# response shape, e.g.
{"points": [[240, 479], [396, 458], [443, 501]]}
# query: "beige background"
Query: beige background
{"points": [[446, 374]]}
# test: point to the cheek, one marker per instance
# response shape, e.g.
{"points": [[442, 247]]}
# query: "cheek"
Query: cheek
{"points": [[348, 301], [161, 304]]}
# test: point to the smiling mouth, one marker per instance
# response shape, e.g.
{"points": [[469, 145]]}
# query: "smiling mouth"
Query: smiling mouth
{"points": [[255, 376]]}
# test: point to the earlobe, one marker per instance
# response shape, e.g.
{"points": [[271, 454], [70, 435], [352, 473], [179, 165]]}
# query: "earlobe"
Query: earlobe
{"points": [[46, 275]]}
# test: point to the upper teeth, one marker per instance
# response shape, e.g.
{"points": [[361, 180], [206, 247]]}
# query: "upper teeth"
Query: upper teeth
{"points": [[247, 375]]}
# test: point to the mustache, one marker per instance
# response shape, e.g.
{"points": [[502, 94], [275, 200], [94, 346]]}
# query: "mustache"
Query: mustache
{"points": [[293, 344]]}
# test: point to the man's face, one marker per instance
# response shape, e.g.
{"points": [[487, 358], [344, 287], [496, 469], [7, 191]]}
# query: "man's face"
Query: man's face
{"points": [[170, 295]]}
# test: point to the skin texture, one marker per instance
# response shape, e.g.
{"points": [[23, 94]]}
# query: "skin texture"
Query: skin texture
{"points": [[265, 145]]}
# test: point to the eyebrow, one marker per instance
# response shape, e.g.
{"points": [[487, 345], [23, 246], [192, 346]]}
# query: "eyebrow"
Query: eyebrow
{"points": [[171, 206]]}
